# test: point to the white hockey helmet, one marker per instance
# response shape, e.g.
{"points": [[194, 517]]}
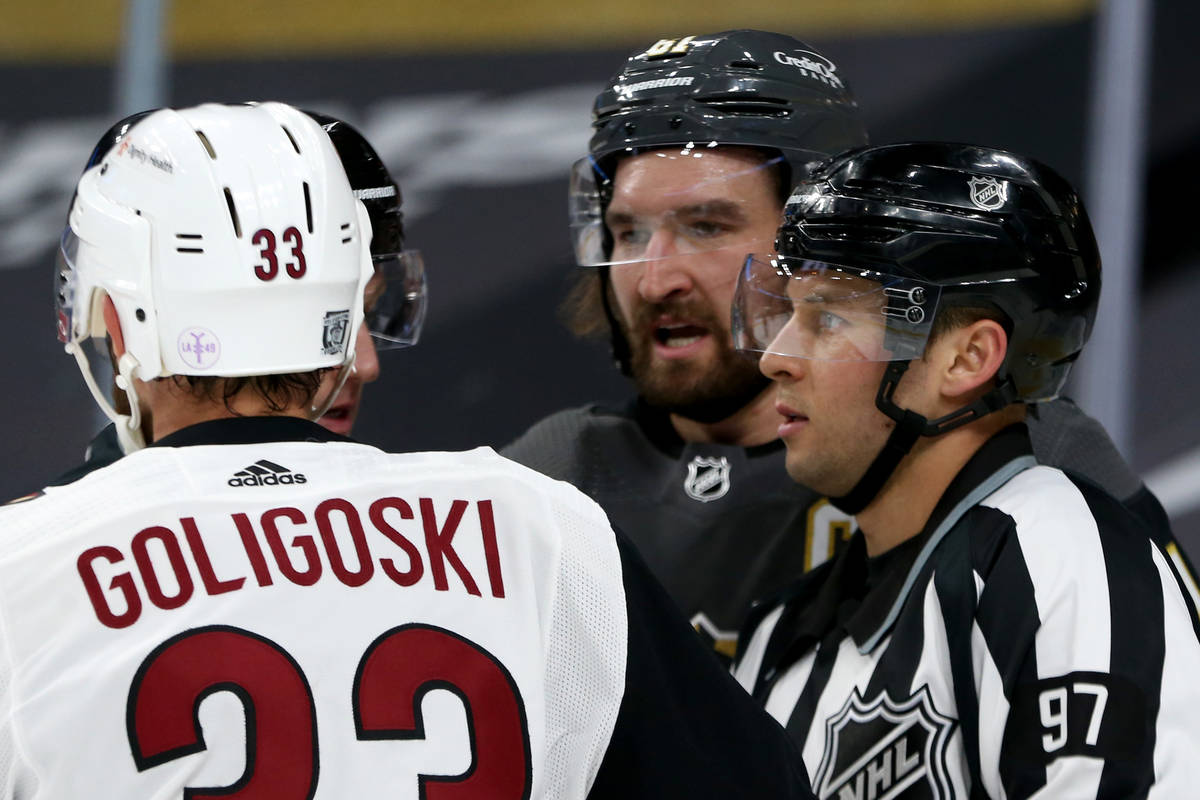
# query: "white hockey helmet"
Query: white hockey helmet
{"points": [[229, 240]]}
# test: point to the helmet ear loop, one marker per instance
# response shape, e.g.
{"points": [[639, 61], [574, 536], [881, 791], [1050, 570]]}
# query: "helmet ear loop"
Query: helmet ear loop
{"points": [[132, 427], [128, 427]]}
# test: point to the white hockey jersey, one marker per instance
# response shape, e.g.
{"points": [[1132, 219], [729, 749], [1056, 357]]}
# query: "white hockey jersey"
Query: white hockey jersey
{"points": [[319, 618], [256, 608]]}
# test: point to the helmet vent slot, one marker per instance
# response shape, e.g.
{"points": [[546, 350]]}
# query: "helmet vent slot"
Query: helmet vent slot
{"points": [[856, 233], [207, 144], [295, 146], [345, 229], [737, 104], [745, 63], [307, 205], [882, 186], [189, 239], [233, 215]]}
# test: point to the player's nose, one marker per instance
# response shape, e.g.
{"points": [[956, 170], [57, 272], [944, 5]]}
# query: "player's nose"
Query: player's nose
{"points": [[781, 368], [366, 359], [663, 274]]}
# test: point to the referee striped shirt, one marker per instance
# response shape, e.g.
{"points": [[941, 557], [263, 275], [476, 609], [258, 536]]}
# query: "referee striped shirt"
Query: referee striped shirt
{"points": [[1032, 641]]}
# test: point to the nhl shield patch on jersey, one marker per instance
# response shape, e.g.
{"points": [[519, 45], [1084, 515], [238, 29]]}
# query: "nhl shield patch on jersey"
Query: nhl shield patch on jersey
{"points": [[886, 749], [707, 479]]}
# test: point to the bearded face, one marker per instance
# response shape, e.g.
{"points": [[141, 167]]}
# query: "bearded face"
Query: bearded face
{"points": [[684, 227]]}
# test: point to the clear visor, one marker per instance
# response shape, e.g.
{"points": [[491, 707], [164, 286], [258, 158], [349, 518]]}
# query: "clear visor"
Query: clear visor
{"points": [[700, 216], [64, 284], [830, 312], [395, 299]]}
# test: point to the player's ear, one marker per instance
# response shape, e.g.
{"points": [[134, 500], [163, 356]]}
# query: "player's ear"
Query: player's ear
{"points": [[113, 323], [973, 355]]}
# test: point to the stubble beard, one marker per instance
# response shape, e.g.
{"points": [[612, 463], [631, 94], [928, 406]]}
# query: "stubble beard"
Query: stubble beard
{"points": [[706, 390], [814, 472], [834, 468]]}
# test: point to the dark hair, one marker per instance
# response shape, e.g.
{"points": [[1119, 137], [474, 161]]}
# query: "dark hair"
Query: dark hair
{"points": [[279, 392], [582, 310], [952, 317]]}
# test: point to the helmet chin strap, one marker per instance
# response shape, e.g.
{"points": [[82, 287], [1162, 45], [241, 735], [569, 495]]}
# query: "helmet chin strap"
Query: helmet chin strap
{"points": [[619, 346], [911, 426], [128, 427]]}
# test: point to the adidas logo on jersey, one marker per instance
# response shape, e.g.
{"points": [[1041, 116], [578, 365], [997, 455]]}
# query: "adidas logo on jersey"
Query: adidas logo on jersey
{"points": [[265, 473]]}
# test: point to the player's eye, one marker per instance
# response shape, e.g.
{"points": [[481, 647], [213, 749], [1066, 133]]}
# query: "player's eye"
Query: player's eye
{"points": [[828, 322], [631, 237], [707, 229]]}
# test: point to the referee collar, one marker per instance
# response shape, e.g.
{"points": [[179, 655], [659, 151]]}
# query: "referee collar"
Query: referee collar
{"points": [[249, 430], [863, 596]]}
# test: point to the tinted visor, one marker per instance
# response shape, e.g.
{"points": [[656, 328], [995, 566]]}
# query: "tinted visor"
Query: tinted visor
{"points": [[395, 299], [830, 312]]}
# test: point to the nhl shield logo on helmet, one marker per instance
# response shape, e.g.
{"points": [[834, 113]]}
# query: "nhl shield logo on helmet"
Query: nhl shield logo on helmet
{"points": [[988, 193], [707, 479]]}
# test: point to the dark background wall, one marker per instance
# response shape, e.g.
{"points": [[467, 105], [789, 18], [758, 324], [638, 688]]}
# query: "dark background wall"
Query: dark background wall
{"points": [[480, 134]]}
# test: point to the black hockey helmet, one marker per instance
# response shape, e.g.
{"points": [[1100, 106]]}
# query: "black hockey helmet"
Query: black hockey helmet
{"points": [[987, 228], [396, 305], [371, 182], [744, 88], [904, 232]]}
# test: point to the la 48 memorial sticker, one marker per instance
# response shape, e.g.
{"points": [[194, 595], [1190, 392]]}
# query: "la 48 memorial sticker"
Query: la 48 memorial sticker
{"points": [[885, 749]]}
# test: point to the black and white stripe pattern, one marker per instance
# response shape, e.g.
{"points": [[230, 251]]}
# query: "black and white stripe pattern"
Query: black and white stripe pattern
{"points": [[1044, 624]]}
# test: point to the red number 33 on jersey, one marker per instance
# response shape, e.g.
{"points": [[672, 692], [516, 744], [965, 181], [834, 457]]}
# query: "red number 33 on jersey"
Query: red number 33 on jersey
{"points": [[269, 267], [398, 669]]}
